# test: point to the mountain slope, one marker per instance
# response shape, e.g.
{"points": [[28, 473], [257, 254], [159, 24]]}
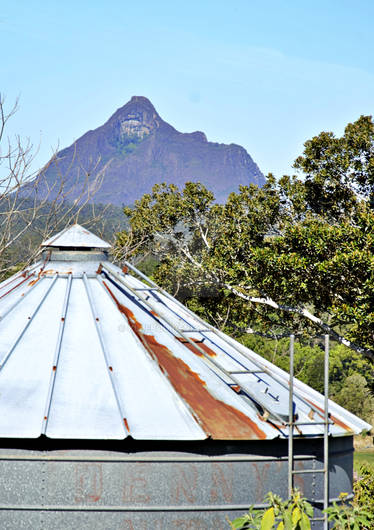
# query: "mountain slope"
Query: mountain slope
{"points": [[139, 149]]}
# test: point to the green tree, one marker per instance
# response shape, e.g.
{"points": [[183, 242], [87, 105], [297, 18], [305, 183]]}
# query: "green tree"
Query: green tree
{"points": [[295, 254]]}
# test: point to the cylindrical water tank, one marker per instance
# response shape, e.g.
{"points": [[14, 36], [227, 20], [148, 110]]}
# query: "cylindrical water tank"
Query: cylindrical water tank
{"points": [[134, 485]]}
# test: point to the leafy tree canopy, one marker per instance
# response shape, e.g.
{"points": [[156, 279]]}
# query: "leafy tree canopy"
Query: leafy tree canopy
{"points": [[296, 254]]}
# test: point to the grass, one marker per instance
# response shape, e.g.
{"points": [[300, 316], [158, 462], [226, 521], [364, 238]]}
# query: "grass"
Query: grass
{"points": [[361, 457]]}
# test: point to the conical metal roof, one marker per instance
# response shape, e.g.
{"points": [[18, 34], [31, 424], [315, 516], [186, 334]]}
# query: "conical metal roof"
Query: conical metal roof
{"points": [[88, 351], [75, 236]]}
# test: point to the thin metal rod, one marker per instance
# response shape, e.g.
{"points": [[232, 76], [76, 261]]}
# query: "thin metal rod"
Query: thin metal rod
{"points": [[22, 297], [246, 371], [194, 330], [222, 336], [29, 320], [109, 366], [56, 357], [194, 344], [302, 471], [290, 419], [297, 423], [326, 433]]}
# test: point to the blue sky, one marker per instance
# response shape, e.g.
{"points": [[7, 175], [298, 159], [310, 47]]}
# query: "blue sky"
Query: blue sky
{"points": [[266, 75]]}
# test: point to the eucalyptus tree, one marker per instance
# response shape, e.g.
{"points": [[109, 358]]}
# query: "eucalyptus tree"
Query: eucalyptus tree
{"points": [[296, 254]]}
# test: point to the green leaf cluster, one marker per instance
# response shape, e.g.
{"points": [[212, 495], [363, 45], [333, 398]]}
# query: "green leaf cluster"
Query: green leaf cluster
{"points": [[295, 255], [346, 516], [293, 514], [351, 376]]}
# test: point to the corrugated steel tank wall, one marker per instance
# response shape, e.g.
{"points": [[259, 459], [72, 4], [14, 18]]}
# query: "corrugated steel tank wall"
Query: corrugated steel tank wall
{"points": [[156, 485]]}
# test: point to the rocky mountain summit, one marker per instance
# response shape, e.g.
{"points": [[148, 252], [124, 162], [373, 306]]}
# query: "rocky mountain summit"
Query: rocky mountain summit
{"points": [[138, 149]]}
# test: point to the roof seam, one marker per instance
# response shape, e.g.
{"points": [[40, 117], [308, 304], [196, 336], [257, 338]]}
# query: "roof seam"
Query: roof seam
{"points": [[30, 319], [105, 355], [56, 358], [144, 349]]}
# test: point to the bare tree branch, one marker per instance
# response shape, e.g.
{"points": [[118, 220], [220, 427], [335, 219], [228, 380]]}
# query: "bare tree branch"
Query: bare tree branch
{"points": [[28, 200]]}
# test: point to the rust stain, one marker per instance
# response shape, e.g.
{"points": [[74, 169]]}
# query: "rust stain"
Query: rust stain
{"points": [[99, 270], [202, 345], [110, 368], [54, 368], [41, 273], [218, 419], [15, 287], [125, 270], [154, 313], [333, 418], [298, 479], [126, 424], [89, 483], [222, 483]]}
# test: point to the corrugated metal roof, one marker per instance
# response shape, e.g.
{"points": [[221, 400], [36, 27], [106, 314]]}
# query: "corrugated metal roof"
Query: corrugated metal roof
{"points": [[75, 236], [90, 352]]}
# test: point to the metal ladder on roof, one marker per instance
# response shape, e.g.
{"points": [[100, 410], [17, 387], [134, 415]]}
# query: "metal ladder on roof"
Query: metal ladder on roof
{"points": [[234, 383], [207, 327], [292, 423]]}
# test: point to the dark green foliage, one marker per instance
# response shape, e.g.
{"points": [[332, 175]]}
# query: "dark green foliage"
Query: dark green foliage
{"points": [[351, 376], [295, 255], [339, 169]]}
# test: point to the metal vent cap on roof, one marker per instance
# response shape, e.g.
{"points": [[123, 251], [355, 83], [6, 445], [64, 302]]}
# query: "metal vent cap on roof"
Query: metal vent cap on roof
{"points": [[75, 236]]}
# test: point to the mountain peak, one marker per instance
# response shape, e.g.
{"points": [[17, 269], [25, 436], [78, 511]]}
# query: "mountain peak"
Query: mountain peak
{"points": [[140, 99], [140, 104], [137, 118], [137, 149]]}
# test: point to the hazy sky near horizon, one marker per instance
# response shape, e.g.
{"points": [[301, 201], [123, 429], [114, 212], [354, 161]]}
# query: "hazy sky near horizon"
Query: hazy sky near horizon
{"points": [[267, 74]]}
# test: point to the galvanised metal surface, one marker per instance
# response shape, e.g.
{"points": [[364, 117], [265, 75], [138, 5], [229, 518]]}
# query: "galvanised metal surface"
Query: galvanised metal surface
{"points": [[75, 236], [157, 485], [90, 352]]}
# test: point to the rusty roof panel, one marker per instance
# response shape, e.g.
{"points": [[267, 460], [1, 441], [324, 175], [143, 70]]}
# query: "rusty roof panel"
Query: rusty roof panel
{"points": [[87, 351]]}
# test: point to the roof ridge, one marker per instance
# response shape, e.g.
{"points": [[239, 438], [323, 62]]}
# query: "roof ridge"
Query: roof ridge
{"points": [[76, 236]]}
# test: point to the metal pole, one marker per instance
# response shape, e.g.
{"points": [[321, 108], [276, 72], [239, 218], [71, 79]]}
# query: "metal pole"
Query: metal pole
{"points": [[290, 419], [326, 434]]}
